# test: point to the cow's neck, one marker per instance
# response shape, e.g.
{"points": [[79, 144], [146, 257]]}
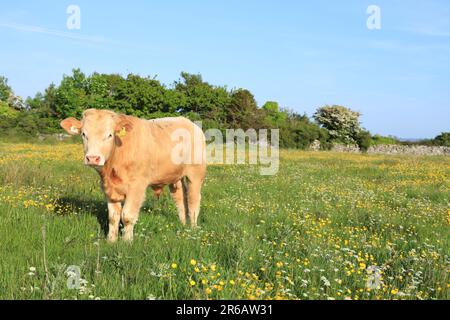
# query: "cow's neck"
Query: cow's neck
{"points": [[109, 170]]}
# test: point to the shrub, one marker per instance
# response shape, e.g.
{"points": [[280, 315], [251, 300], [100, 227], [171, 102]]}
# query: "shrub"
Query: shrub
{"points": [[342, 123], [364, 140], [443, 139], [378, 139]]}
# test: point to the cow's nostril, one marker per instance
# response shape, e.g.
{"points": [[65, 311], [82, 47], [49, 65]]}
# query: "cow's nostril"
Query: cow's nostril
{"points": [[93, 159]]}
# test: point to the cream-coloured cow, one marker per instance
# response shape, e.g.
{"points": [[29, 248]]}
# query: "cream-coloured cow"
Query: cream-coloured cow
{"points": [[131, 154]]}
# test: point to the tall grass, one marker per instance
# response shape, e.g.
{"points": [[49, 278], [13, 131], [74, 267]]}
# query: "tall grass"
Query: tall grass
{"points": [[325, 227]]}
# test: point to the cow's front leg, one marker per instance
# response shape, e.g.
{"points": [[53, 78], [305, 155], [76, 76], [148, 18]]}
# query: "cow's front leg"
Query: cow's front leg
{"points": [[130, 213], [114, 210]]}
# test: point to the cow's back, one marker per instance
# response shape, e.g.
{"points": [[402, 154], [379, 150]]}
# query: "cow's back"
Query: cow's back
{"points": [[177, 148]]}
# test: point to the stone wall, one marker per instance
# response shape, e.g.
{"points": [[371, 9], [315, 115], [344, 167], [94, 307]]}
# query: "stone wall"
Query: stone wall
{"points": [[414, 150], [389, 149], [345, 148], [56, 136]]}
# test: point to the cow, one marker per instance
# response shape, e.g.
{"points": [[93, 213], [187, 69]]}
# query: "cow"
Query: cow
{"points": [[130, 154]]}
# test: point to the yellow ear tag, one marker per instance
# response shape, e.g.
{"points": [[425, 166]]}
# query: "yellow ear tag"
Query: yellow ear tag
{"points": [[122, 132]]}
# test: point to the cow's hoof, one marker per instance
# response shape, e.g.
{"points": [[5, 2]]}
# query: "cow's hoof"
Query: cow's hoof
{"points": [[127, 238], [111, 239]]}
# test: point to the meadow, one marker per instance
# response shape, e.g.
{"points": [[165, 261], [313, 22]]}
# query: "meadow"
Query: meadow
{"points": [[327, 226]]}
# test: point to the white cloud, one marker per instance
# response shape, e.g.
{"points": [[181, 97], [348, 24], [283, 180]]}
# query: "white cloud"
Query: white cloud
{"points": [[56, 33], [430, 32]]}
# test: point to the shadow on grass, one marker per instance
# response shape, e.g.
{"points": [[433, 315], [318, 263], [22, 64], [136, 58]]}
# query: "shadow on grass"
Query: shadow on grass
{"points": [[99, 208]]}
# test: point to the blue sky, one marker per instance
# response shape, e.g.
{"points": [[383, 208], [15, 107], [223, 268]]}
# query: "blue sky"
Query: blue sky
{"points": [[303, 55]]}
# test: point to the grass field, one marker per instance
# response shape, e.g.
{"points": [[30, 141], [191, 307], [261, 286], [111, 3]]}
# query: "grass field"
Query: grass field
{"points": [[328, 226]]}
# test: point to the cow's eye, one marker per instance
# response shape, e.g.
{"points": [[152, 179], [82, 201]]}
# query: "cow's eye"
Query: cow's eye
{"points": [[84, 135], [110, 136]]}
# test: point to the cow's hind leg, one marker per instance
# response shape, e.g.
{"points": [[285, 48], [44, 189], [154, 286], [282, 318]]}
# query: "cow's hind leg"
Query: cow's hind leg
{"points": [[177, 192], [130, 213], [194, 196], [114, 210]]}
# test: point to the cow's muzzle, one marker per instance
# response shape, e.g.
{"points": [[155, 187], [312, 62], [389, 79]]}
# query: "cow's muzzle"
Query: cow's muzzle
{"points": [[93, 160]]}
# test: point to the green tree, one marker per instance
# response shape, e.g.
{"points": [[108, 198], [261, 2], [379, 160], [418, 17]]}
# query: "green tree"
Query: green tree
{"points": [[6, 112], [243, 112], [299, 132], [5, 89], [273, 116], [145, 97], [443, 139], [71, 95], [202, 99]]}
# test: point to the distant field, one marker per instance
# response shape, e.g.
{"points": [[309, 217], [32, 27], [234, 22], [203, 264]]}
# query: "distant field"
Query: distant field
{"points": [[328, 226]]}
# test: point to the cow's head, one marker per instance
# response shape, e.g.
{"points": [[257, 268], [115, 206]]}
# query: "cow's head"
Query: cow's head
{"points": [[101, 130]]}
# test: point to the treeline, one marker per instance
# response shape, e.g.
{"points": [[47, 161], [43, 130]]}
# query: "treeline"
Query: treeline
{"points": [[190, 96]]}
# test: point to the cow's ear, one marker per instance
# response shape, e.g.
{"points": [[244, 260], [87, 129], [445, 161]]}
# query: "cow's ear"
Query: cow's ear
{"points": [[71, 125], [123, 126]]}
